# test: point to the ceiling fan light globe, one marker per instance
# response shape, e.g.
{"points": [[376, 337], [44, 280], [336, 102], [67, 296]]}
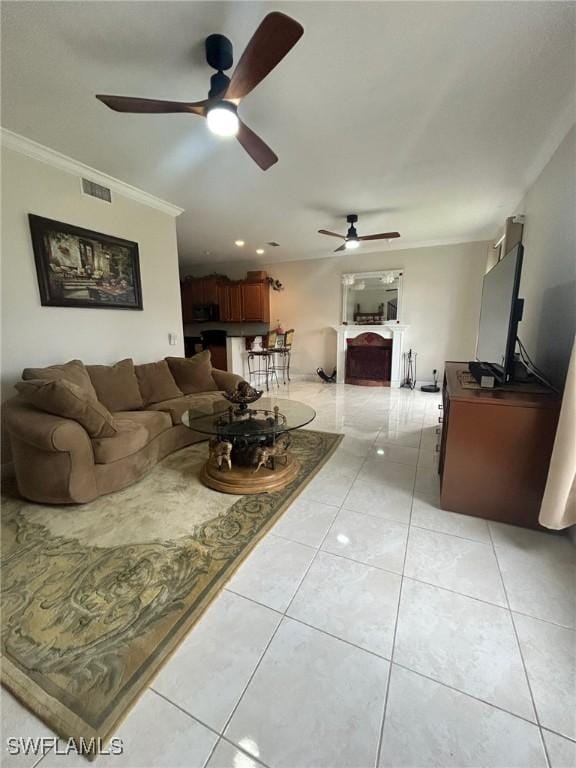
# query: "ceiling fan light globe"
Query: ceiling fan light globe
{"points": [[223, 120], [351, 244]]}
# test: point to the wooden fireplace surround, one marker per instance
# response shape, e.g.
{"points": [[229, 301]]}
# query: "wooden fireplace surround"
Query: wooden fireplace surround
{"points": [[369, 360]]}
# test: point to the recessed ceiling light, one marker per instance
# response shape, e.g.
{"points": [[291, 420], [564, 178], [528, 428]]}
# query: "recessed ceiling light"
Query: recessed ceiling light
{"points": [[239, 243], [259, 251]]}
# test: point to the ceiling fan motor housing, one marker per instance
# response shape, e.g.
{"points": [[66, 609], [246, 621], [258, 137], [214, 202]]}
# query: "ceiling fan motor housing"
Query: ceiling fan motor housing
{"points": [[219, 55], [219, 52]]}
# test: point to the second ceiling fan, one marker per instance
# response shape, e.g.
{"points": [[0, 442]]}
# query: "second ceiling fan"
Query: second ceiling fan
{"points": [[273, 39], [352, 239]]}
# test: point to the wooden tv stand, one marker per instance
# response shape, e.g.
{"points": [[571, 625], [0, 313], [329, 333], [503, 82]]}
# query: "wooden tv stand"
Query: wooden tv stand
{"points": [[495, 449]]}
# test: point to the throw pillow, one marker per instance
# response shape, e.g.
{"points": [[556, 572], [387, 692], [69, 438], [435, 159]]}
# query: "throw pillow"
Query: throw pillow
{"points": [[156, 382], [74, 371], [193, 374], [63, 398], [116, 385]]}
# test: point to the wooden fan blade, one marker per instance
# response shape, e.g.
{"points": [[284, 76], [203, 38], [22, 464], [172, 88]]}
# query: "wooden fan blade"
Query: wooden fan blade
{"points": [[342, 248], [258, 150], [332, 234], [275, 36], [152, 106], [382, 236]]}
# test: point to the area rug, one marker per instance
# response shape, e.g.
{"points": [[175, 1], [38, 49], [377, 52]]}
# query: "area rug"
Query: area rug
{"points": [[96, 597]]}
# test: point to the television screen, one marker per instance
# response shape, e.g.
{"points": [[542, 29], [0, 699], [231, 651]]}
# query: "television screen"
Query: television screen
{"points": [[498, 314]]}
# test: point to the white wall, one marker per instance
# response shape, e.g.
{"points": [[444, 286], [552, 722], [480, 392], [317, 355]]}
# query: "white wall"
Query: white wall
{"points": [[548, 283], [441, 301], [33, 335]]}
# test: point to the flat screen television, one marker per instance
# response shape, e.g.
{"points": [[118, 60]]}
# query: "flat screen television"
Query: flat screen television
{"points": [[500, 312]]}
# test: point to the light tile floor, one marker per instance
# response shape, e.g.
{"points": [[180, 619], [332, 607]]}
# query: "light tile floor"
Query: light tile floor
{"points": [[369, 629]]}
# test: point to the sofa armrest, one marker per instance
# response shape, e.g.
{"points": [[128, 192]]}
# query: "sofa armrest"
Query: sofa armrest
{"points": [[43, 430], [225, 380], [53, 457]]}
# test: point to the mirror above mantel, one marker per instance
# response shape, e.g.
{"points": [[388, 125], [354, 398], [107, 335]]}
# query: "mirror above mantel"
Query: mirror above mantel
{"points": [[372, 298]]}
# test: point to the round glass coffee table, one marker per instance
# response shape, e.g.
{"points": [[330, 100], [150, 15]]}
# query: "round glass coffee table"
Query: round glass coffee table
{"points": [[250, 447]]}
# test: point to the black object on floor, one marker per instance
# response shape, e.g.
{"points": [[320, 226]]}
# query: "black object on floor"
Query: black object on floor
{"points": [[324, 376], [431, 387]]}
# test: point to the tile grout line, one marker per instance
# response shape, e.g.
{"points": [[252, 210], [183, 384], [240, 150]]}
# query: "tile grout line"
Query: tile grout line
{"points": [[41, 758], [466, 693], [387, 694], [208, 727], [407, 668], [378, 656], [447, 533], [399, 573], [519, 645], [283, 615], [570, 739]]}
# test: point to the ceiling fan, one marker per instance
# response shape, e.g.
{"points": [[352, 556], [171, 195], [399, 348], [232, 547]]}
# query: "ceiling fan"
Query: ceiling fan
{"points": [[351, 238], [273, 39]]}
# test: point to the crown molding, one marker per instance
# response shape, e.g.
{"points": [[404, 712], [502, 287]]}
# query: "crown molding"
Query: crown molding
{"points": [[17, 143]]}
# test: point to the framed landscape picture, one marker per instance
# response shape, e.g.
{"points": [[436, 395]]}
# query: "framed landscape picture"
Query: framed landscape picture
{"points": [[80, 268]]}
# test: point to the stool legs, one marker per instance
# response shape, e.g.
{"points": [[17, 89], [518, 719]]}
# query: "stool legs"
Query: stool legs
{"points": [[271, 368]]}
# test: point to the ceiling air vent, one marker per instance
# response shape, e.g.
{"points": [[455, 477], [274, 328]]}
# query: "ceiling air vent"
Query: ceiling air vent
{"points": [[96, 190], [273, 244]]}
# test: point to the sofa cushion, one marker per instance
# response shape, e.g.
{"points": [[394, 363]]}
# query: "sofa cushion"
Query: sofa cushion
{"points": [[179, 405], [156, 382], [130, 438], [193, 374], [116, 385], [74, 371], [63, 398], [154, 422]]}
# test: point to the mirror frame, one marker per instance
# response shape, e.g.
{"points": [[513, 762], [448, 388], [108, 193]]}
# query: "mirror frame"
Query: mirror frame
{"points": [[348, 280]]}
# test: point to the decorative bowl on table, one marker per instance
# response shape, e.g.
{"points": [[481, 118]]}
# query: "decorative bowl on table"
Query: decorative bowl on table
{"points": [[243, 396]]}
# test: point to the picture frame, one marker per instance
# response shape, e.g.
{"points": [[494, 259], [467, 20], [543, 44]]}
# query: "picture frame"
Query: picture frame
{"points": [[78, 267]]}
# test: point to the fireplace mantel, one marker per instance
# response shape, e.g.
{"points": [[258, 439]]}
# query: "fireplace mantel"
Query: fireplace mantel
{"points": [[394, 331]]}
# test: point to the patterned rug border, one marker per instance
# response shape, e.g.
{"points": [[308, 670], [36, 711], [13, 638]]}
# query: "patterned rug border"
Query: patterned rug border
{"points": [[66, 723]]}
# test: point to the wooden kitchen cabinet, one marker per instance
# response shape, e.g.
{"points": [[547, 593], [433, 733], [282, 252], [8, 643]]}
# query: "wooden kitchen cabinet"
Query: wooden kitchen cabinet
{"points": [[197, 293], [210, 290], [224, 302], [256, 302], [236, 301], [236, 307]]}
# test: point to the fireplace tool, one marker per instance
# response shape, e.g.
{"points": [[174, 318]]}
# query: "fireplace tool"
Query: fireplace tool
{"points": [[409, 369]]}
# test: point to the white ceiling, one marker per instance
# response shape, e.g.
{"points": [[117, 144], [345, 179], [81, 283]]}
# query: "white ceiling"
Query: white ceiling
{"points": [[428, 118]]}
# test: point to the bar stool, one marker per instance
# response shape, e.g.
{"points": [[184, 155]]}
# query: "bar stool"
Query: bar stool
{"points": [[261, 363], [281, 356]]}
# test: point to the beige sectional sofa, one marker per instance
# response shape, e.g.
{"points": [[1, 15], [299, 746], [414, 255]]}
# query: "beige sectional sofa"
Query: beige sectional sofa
{"points": [[78, 431]]}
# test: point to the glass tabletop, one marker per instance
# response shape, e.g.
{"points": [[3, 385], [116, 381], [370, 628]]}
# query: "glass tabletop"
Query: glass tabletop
{"points": [[267, 416]]}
